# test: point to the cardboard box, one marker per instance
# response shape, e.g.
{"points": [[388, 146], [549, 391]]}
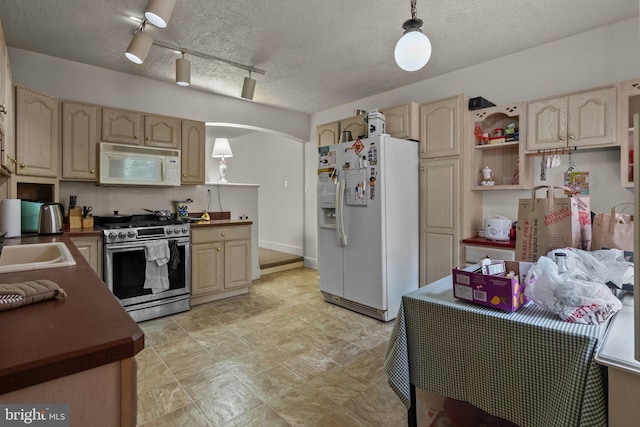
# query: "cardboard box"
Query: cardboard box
{"points": [[501, 292]]}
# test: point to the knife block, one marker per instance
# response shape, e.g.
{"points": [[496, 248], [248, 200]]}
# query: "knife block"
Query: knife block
{"points": [[75, 218]]}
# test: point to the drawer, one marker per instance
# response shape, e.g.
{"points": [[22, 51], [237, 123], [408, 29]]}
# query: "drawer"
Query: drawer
{"points": [[474, 254], [217, 234]]}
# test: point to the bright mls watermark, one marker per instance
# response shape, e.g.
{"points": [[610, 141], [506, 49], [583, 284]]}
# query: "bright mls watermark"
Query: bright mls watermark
{"points": [[34, 415]]}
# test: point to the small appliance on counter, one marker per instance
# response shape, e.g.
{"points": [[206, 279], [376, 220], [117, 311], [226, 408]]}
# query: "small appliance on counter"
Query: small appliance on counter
{"points": [[497, 227], [30, 215], [51, 219]]}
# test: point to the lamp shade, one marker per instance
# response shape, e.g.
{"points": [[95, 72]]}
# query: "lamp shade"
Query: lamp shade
{"points": [[221, 148], [139, 47], [183, 72], [413, 50], [159, 11], [248, 87]]}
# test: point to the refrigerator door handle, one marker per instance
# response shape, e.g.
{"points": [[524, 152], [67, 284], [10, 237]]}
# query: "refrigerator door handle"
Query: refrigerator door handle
{"points": [[341, 236]]}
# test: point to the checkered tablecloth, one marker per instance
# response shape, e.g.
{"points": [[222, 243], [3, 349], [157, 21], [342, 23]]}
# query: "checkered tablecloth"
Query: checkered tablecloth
{"points": [[529, 367]]}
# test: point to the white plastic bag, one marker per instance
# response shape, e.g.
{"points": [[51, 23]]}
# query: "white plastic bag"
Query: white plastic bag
{"points": [[576, 295]]}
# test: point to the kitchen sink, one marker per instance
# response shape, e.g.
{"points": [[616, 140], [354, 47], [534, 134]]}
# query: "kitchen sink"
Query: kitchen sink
{"points": [[35, 256]]}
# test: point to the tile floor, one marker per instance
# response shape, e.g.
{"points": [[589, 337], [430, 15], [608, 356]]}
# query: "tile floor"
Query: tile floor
{"points": [[279, 356]]}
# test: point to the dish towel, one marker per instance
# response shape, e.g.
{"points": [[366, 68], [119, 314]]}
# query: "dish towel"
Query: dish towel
{"points": [[156, 273]]}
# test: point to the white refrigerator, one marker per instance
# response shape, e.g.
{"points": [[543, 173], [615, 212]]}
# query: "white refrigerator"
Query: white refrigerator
{"points": [[368, 225]]}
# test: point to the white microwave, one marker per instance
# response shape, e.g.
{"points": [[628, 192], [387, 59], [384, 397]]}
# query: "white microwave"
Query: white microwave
{"points": [[122, 164]]}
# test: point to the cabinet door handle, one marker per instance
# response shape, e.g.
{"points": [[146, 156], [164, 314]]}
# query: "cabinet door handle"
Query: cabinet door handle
{"points": [[222, 234], [562, 138], [184, 175], [22, 165], [92, 171], [218, 249], [572, 137], [135, 137], [148, 139]]}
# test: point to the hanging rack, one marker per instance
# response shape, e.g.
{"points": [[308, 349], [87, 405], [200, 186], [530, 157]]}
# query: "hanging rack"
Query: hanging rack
{"points": [[552, 151]]}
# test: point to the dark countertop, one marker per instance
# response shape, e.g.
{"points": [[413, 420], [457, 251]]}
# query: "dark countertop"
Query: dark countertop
{"points": [[55, 338], [483, 241], [219, 223]]}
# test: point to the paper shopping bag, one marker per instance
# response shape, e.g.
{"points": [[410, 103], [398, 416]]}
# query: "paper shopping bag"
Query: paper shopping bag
{"points": [[613, 231], [548, 223]]}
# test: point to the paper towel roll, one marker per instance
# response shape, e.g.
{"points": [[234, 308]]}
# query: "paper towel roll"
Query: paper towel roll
{"points": [[10, 220]]}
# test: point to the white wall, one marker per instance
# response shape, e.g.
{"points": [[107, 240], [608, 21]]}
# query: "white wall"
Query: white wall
{"points": [[602, 56], [276, 162]]}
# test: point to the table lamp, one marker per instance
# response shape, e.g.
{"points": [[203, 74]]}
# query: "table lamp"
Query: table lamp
{"points": [[222, 149]]}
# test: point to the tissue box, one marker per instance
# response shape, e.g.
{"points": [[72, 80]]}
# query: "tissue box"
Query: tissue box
{"points": [[376, 122], [501, 292]]}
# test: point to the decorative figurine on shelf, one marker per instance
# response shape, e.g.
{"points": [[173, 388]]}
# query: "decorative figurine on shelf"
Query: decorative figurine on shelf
{"points": [[481, 137], [487, 176]]}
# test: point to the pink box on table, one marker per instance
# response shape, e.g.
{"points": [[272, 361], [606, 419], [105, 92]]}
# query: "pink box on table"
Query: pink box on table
{"points": [[501, 292]]}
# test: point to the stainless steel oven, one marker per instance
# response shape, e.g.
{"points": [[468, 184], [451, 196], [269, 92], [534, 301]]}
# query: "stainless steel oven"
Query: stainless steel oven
{"points": [[125, 267]]}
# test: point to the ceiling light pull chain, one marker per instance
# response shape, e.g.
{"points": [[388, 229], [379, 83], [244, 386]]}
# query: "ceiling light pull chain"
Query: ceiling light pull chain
{"points": [[414, 11]]}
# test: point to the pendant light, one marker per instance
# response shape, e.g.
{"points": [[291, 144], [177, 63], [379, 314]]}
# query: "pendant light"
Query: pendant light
{"points": [[413, 50], [183, 71], [159, 11], [139, 46], [248, 87]]}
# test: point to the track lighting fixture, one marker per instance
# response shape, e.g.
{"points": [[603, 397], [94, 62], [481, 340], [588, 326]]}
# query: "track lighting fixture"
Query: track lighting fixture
{"points": [[139, 46], [183, 71], [159, 12], [413, 50], [248, 87]]}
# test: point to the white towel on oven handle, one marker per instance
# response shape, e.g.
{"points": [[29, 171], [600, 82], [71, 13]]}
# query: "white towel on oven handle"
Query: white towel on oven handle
{"points": [[156, 272]]}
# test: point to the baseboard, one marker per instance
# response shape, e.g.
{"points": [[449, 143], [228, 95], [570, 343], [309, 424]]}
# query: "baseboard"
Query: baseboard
{"points": [[287, 249], [311, 262], [282, 267]]}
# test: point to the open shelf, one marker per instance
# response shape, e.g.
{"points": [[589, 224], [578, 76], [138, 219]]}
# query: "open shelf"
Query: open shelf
{"points": [[505, 158]]}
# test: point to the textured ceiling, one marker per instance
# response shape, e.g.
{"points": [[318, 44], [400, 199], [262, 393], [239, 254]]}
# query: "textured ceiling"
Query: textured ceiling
{"points": [[316, 54]]}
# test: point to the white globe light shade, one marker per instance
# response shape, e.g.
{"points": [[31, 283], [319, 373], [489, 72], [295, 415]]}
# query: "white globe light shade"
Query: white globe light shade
{"points": [[413, 51]]}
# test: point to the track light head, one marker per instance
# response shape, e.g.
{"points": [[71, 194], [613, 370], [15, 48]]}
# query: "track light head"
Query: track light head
{"points": [[248, 87], [183, 71], [139, 46], [159, 12]]}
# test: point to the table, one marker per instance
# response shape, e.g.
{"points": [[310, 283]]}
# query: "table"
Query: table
{"points": [[529, 367]]}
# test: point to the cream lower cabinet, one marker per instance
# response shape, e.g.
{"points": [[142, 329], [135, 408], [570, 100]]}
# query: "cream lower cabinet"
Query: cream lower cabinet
{"points": [[91, 249], [221, 262]]}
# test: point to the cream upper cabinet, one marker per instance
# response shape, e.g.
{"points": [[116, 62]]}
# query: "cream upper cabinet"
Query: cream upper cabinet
{"points": [[403, 121], [327, 134], [80, 138], [193, 155], [440, 128], [162, 131], [629, 102], [585, 119], [7, 112], [122, 126], [133, 127], [356, 125], [37, 133]]}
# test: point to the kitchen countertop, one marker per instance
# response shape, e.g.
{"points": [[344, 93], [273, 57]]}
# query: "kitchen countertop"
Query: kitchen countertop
{"points": [[219, 223], [483, 241], [55, 338], [617, 351]]}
